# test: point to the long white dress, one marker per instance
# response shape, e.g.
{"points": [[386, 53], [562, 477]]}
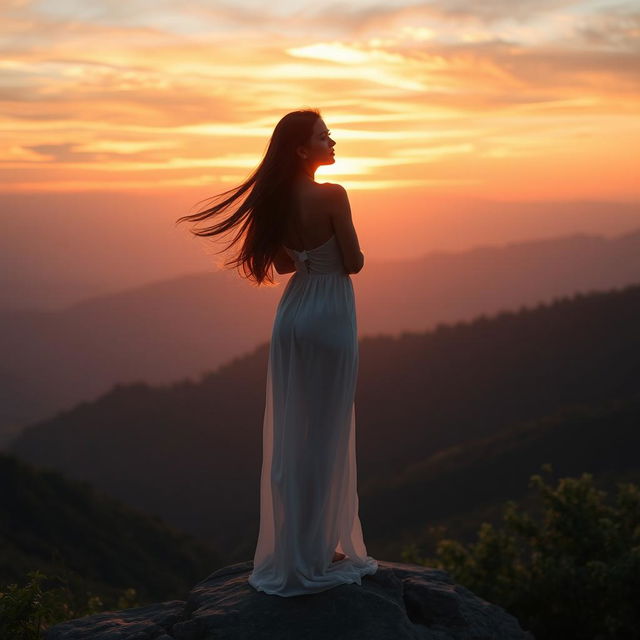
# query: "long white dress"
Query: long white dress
{"points": [[308, 486]]}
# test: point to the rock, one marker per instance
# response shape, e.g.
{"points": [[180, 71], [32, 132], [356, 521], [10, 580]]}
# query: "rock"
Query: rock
{"points": [[400, 601]]}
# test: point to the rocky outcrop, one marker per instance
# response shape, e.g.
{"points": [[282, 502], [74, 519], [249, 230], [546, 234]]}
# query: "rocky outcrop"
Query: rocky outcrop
{"points": [[400, 601]]}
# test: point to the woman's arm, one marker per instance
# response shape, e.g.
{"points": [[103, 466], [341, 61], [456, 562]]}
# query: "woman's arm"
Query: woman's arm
{"points": [[342, 221], [283, 262]]}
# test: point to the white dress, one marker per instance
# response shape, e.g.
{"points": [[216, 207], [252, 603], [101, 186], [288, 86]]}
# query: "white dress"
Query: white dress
{"points": [[308, 486]]}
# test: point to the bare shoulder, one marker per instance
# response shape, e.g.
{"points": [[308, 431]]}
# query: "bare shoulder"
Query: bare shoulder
{"points": [[335, 196], [332, 189]]}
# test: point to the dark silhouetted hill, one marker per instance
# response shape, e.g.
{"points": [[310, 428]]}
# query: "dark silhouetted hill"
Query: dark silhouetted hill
{"points": [[191, 451], [161, 332], [65, 527]]}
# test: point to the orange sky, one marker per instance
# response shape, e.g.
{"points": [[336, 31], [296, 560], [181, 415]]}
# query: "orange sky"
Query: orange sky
{"points": [[503, 100]]}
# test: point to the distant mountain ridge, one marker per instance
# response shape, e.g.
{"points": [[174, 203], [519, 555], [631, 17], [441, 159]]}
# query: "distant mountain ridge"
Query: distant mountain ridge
{"points": [[192, 451], [180, 327]]}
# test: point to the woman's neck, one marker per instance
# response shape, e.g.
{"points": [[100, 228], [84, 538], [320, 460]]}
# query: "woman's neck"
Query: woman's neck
{"points": [[305, 177]]}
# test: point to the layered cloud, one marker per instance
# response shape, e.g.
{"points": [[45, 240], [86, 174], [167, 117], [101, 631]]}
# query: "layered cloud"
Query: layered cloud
{"points": [[120, 95]]}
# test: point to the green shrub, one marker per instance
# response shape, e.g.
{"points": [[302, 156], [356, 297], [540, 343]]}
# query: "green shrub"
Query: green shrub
{"points": [[573, 572], [27, 611]]}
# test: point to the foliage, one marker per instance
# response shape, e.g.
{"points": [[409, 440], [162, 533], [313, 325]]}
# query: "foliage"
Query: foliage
{"points": [[27, 611], [58, 525], [573, 572]]}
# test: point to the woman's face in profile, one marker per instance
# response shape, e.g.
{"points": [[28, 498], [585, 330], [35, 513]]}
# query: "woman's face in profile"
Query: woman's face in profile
{"points": [[319, 149]]}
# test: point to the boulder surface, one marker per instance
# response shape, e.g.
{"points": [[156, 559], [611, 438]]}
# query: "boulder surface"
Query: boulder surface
{"points": [[400, 601]]}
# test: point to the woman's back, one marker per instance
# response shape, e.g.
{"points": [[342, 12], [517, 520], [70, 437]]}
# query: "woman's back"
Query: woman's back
{"points": [[311, 224], [322, 212]]}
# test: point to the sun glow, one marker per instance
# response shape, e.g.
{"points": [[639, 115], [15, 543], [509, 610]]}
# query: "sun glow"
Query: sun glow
{"points": [[147, 100]]}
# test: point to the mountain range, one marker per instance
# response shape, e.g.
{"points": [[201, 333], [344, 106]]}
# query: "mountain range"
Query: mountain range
{"points": [[448, 420], [191, 325]]}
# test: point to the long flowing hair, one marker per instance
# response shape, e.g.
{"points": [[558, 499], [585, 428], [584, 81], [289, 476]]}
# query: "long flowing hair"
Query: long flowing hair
{"points": [[265, 213]]}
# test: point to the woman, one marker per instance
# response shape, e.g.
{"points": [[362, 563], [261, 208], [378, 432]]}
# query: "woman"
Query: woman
{"points": [[310, 536]]}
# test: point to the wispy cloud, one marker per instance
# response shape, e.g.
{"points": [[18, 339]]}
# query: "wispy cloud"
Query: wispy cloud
{"points": [[95, 93]]}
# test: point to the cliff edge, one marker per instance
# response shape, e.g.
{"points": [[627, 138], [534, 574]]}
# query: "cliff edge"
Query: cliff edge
{"points": [[400, 601]]}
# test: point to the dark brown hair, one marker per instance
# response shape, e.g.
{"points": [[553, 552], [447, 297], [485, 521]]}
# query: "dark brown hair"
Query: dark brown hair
{"points": [[264, 214]]}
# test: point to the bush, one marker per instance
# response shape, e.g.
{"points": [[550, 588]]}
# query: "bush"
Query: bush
{"points": [[573, 573], [27, 611]]}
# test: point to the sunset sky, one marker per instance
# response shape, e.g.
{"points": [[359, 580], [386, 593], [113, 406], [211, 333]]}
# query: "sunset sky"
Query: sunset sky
{"points": [[490, 99]]}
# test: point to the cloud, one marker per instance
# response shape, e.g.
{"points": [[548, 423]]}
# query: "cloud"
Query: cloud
{"points": [[443, 17], [178, 90], [618, 28], [490, 11], [58, 152]]}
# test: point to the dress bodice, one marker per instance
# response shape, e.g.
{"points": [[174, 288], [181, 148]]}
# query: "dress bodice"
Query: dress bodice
{"points": [[323, 259]]}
